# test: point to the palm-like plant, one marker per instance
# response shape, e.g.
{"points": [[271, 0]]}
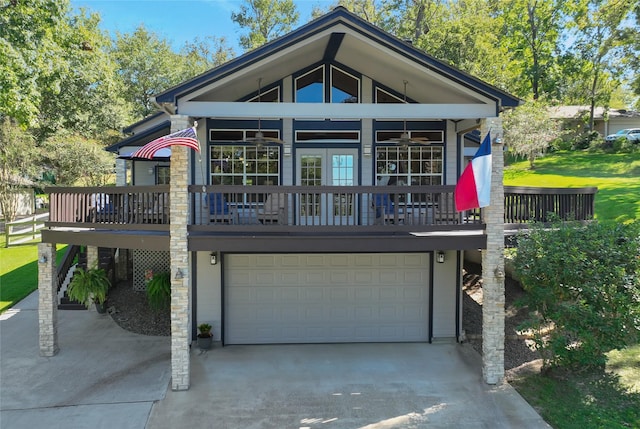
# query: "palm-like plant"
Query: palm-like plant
{"points": [[89, 285], [159, 291]]}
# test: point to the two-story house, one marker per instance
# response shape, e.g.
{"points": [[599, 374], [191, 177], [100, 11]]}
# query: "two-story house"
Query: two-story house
{"points": [[320, 206]]}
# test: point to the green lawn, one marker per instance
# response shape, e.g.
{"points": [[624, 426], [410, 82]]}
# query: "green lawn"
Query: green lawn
{"points": [[617, 177], [18, 272], [605, 399]]}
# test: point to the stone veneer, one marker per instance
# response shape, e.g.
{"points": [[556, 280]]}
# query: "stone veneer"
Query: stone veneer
{"points": [[493, 265], [92, 257], [47, 300], [179, 257]]}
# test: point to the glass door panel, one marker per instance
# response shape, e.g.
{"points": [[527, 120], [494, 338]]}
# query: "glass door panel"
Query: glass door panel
{"points": [[327, 167]]}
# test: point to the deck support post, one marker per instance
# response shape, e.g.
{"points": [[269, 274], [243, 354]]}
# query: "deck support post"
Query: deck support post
{"points": [[179, 256], [493, 264], [47, 300]]}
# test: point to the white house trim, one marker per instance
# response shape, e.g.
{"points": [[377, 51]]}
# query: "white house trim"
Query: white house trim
{"points": [[335, 111]]}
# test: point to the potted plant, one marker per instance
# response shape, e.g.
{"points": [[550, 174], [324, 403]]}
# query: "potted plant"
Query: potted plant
{"points": [[159, 291], [205, 337], [90, 285]]}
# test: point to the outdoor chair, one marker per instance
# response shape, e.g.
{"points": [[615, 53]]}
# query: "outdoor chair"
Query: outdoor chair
{"points": [[385, 209], [219, 211], [273, 210]]}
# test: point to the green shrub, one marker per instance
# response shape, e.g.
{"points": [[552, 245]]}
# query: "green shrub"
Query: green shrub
{"points": [[583, 290], [159, 291], [89, 286]]}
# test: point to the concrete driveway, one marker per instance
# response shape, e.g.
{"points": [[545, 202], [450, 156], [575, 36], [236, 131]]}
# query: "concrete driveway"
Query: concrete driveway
{"points": [[105, 377], [342, 386]]}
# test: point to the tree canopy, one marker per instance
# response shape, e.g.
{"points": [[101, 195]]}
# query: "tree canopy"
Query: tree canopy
{"points": [[62, 75]]}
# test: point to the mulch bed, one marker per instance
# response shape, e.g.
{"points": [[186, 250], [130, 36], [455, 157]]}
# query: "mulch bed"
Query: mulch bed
{"points": [[131, 311]]}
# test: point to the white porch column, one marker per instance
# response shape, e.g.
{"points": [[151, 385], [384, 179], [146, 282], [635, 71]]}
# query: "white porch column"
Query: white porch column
{"points": [[47, 299], [493, 265], [179, 255]]}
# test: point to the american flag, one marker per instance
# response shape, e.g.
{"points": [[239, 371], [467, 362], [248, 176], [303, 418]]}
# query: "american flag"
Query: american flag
{"points": [[181, 138]]}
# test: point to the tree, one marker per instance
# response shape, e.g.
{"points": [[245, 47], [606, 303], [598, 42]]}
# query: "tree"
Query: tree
{"points": [[597, 55], [204, 54], [528, 130], [18, 162], [76, 160], [89, 98], [583, 290], [29, 55], [265, 20], [632, 34], [147, 66], [531, 32]]}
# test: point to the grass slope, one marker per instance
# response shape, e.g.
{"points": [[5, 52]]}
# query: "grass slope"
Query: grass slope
{"points": [[615, 175], [604, 399], [18, 272]]}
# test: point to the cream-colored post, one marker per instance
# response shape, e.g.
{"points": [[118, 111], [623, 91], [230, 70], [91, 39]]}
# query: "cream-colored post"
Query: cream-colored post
{"points": [[493, 264], [92, 257], [47, 299], [179, 255]]}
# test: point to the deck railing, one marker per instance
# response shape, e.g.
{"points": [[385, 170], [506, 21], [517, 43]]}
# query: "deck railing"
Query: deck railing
{"points": [[523, 205], [122, 207], [234, 208], [325, 208]]}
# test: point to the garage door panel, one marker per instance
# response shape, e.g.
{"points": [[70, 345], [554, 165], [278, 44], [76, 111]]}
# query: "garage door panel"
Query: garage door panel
{"points": [[352, 298]]}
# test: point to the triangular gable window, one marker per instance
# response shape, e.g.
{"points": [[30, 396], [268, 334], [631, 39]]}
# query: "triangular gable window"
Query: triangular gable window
{"points": [[270, 96], [310, 87], [383, 96]]}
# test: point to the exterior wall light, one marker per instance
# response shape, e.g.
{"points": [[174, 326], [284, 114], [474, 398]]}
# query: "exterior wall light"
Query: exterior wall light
{"points": [[440, 257], [213, 258], [179, 274], [42, 259]]}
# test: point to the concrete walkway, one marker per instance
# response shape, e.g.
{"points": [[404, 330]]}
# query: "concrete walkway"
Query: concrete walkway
{"points": [[102, 377], [105, 377]]}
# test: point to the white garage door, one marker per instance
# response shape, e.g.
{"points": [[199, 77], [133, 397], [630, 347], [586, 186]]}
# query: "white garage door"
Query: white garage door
{"points": [[326, 298]]}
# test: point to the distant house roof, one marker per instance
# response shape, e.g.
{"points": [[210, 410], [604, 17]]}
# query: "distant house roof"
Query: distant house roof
{"points": [[568, 112]]}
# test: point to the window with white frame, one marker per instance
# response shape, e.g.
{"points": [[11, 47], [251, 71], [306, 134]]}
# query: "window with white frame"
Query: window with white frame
{"points": [[385, 97], [246, 165], [345, 88], [310, 86], [163, 174], [412, 165]]}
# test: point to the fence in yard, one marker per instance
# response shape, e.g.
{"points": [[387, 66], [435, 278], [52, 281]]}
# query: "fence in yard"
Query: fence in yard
{"points": [[24, 229]]}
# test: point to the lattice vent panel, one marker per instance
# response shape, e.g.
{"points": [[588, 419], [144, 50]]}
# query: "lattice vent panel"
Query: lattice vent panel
{"points": [[157, 261]]}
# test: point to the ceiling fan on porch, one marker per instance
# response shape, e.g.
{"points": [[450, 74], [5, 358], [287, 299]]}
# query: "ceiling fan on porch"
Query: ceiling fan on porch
{"points": [[259, 139], [405, 139]]}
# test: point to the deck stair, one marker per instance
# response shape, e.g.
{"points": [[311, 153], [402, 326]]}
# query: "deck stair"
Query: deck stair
{"points": [[105, 261]]}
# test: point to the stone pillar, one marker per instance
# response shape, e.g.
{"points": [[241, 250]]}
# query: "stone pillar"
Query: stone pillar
{"points": [[179, 255], [122, 264], [121, 172], [493, 264], [47, 299], [92, 257]]}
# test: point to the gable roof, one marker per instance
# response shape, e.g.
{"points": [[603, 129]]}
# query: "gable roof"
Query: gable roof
{"points": [[343, 38], [142, 137]]}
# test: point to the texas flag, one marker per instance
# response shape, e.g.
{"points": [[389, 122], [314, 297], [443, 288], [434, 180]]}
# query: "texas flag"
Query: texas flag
{"points": [[472, 190]]}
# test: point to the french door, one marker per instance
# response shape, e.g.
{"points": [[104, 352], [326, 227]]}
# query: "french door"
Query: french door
{"points": [[327, 167]]}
